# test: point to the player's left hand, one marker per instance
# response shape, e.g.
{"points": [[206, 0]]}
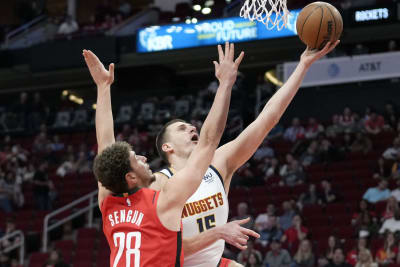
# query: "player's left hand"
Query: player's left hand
{"points": [[236, 235], [226, 69], [100, 75], [311, 55]]}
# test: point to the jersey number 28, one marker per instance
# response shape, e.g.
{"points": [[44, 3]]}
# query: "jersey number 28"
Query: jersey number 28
{"points": [[127, 239]]}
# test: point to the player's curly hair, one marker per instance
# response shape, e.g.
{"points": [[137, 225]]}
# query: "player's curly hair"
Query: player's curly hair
{"points": [[111, 166], [160, 140]]}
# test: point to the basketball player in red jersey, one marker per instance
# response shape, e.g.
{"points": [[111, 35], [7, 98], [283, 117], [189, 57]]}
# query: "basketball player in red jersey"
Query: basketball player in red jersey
{"points": [[142, 226], [175, 145]]}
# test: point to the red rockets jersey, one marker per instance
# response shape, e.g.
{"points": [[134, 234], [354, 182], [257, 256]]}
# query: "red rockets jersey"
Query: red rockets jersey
{"points": [[135, 234]]}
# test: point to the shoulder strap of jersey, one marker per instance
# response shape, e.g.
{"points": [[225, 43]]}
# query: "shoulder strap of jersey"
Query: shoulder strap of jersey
{"points": [[167, 172]]}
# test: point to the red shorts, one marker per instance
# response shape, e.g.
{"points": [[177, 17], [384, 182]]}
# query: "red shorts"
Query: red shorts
{"points": [[224, 262]]}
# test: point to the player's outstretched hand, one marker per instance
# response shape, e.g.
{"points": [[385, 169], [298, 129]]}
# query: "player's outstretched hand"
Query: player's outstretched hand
{"points": [[236, 235], [226, 69], [100, 75], [311, 55]]}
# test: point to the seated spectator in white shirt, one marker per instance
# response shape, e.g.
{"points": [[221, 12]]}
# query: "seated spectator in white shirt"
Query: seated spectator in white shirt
{"points": [[261, 222], [392, 225], [391, 152], [313, 128], [396, 192], [294, 132], [68, 26], [379, 193], [347, 120], [242, 213]]}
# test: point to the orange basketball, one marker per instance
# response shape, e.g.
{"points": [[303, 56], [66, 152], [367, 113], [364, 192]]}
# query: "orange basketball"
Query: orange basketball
{"points": [[319, 23]]}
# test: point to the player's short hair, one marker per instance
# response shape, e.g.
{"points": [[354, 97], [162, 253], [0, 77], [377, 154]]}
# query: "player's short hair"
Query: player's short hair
{"points": [[160, 140], [111, 166]]}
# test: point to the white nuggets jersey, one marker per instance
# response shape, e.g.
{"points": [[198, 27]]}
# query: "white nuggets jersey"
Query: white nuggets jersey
{"points": [[206, 208]]}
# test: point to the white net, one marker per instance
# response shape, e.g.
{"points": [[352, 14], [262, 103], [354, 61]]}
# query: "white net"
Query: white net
{"points": [[273, 13]]}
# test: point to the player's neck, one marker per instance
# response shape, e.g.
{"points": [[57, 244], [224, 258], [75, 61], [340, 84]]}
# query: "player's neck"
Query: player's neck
{"points": [[177, 163]]}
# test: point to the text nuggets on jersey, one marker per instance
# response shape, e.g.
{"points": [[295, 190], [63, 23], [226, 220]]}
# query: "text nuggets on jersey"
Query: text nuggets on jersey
{"points": [[203, 205]]}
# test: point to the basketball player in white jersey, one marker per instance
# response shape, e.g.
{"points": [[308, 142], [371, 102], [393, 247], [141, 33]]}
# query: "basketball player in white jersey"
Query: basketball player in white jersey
{"points": [[208, 206]]}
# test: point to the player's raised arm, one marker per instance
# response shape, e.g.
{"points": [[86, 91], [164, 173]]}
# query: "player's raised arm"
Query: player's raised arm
{"points": [[185, 182], [234, 154], [104, 117]]}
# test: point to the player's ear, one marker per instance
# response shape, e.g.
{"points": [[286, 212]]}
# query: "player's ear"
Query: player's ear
{"points": [[131, 179], [166, 147]]}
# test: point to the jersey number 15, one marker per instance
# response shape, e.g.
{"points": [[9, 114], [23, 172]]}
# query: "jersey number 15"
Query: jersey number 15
{"points": [[207, 221], [127, 239]]}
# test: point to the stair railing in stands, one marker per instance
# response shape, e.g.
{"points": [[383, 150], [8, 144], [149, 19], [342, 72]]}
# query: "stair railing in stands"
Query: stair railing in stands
{"points": [[20, 244], [91, 197], [23, 28]]}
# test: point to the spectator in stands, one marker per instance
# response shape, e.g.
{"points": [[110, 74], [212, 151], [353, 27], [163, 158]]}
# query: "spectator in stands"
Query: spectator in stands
{"points": [[346, 143], [347, 120], [367, 226], [313, 129], [391, 225], [365, 259], [392, 46], [242, 213], [125, 8], [68, 27], [308, 198], [338, 259], [396, 167], [254, 260], [294, 132], [328, 195], [387, 254], [244, 255], [379, 193], [333, 243], [362, 143], [304, 256], [310, 156], [352, 255], [364, 207], [328, 152], [294, 175], [390, 116], [261, 222], [392, 152], [381, 170], [6, 196], [286, 219], [335, 128], [391, 208], [360, 49], [21, 110], [295, 234], [284, 168], [272, 231], [264, 151], [55, 260], [396, 192], [40, 143], [374, 124], [41, 187], [38, 114], [9, 228], [273, 169], [276, 132], [56, 145], [82, 164], [14, 189], [277, 257], [67, 166]]}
